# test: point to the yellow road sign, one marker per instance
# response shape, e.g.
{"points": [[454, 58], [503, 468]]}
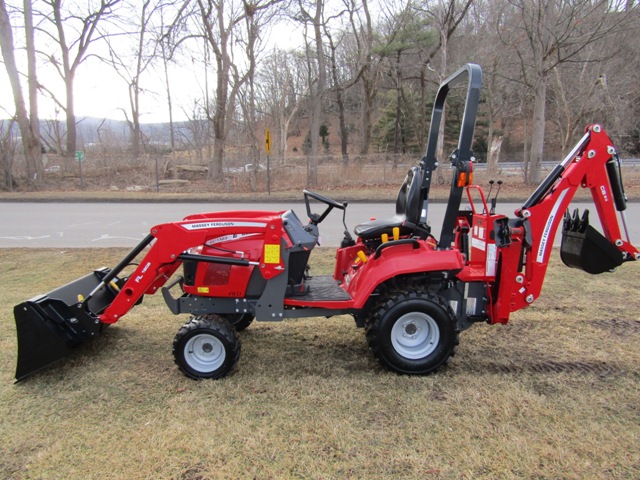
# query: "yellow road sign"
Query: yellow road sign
{"points": [[267, 141]]}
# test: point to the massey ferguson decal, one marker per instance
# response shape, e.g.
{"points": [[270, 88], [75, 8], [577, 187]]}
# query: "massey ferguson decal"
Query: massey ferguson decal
{"points": [[205, 225], [549, 225]]}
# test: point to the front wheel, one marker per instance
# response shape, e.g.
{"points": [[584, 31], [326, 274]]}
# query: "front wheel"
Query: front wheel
{"points": [[240, 321], [413, 332], [206, 347]]}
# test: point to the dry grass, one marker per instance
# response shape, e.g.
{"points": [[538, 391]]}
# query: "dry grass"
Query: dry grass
{"points": [[554, 394]]}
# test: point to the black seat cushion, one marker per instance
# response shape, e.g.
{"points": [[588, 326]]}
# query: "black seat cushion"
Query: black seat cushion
{"points": [[408, 206]]}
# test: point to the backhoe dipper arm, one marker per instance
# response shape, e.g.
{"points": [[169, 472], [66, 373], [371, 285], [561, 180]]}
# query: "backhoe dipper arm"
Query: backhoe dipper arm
{"points": [[524, 261]]}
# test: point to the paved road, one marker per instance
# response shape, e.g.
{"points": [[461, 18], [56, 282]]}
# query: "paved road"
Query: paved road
{"points": [[81, 225]]}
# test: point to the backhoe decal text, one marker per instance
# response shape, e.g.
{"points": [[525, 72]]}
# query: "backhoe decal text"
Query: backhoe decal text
{"points": [[546, 233]]}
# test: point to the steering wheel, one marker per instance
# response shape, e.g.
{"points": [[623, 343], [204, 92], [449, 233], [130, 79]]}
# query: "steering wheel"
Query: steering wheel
{"points": [[314, 218], [321, 198]]}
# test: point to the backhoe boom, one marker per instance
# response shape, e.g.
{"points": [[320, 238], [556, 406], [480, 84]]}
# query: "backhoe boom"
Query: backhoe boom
{"points": [[525, 256]]}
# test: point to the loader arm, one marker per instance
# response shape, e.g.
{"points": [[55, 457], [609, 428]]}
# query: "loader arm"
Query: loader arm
{"points": [[50, 326], [525, 244], [172, 240]]}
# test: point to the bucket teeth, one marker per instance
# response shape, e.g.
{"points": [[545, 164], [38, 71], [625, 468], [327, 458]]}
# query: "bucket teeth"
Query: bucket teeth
{"points": [[584, 222], [575, 223]]}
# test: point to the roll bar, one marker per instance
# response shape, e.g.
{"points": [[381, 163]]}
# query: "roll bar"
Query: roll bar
{"points": [[472, 73]]}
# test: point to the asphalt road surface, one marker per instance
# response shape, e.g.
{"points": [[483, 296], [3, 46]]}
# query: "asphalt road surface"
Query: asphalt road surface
{"points": [[95, 225]]}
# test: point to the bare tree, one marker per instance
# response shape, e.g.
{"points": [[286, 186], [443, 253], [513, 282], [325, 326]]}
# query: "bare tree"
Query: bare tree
{"points": [[338, 86], [254, 21], [32, 75], [7, 154], [72, 30], [312, 13], [199, 138], [218, 21], [367, 64], [480, 37], [545, 34], [131, 63], [28, 126], [446, 16], [282, 91], [575, 101], [165, 43]]}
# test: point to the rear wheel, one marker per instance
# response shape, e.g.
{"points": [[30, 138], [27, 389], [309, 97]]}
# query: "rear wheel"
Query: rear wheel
{"points": [[206, 347], [412, 331]]}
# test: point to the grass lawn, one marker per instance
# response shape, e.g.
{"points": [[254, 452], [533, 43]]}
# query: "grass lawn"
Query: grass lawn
{"points": [[554, 394]]}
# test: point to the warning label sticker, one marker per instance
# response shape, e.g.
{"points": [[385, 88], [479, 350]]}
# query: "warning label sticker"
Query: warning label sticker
{"points": [[271, 253]]}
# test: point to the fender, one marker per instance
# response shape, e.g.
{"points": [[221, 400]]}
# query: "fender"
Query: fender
{"points": [[396, 261]]}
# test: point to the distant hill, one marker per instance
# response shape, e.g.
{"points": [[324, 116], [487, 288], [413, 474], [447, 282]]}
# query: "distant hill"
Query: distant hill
{"points": [[93, 131]]}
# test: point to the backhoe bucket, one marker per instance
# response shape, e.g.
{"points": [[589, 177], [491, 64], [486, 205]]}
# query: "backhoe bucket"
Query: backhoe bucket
{"points": [[585, 248], [50, 326]]}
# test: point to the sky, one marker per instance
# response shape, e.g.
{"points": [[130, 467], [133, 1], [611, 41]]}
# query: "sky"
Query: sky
{"points": [[101, 93]]}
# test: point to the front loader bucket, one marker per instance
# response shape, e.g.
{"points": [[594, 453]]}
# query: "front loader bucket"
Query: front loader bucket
{"points": [[50, 326], [585, 248]]}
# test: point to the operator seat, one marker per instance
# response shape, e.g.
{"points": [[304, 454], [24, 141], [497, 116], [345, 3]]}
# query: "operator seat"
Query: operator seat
{"points": [[408, 208]]}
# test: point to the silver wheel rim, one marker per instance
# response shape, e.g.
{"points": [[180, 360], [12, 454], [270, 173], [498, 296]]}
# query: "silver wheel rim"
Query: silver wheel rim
{"points": [[204, 353], [415, 335]]}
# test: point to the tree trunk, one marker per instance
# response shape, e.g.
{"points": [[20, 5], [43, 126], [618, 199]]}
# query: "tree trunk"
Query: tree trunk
{"points": [[316, 109], [254, 155], [165, 65], [219, 116], [30, 138], [71, 118], [368, 86], [537, 131], [492, 161], [493, 154], [396, 132], [440, 154], [366, 127], [344, 133]]}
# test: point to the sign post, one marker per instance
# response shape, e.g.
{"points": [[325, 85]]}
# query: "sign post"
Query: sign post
{"points": [[80, 157], [267, 147]]}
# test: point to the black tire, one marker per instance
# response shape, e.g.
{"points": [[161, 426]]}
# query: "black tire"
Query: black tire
{"points": [[240, 321], [206, 347], [412, 332]]}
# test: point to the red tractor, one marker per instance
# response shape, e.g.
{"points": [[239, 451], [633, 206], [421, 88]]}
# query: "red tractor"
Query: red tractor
{"points": [[412, 293]]}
